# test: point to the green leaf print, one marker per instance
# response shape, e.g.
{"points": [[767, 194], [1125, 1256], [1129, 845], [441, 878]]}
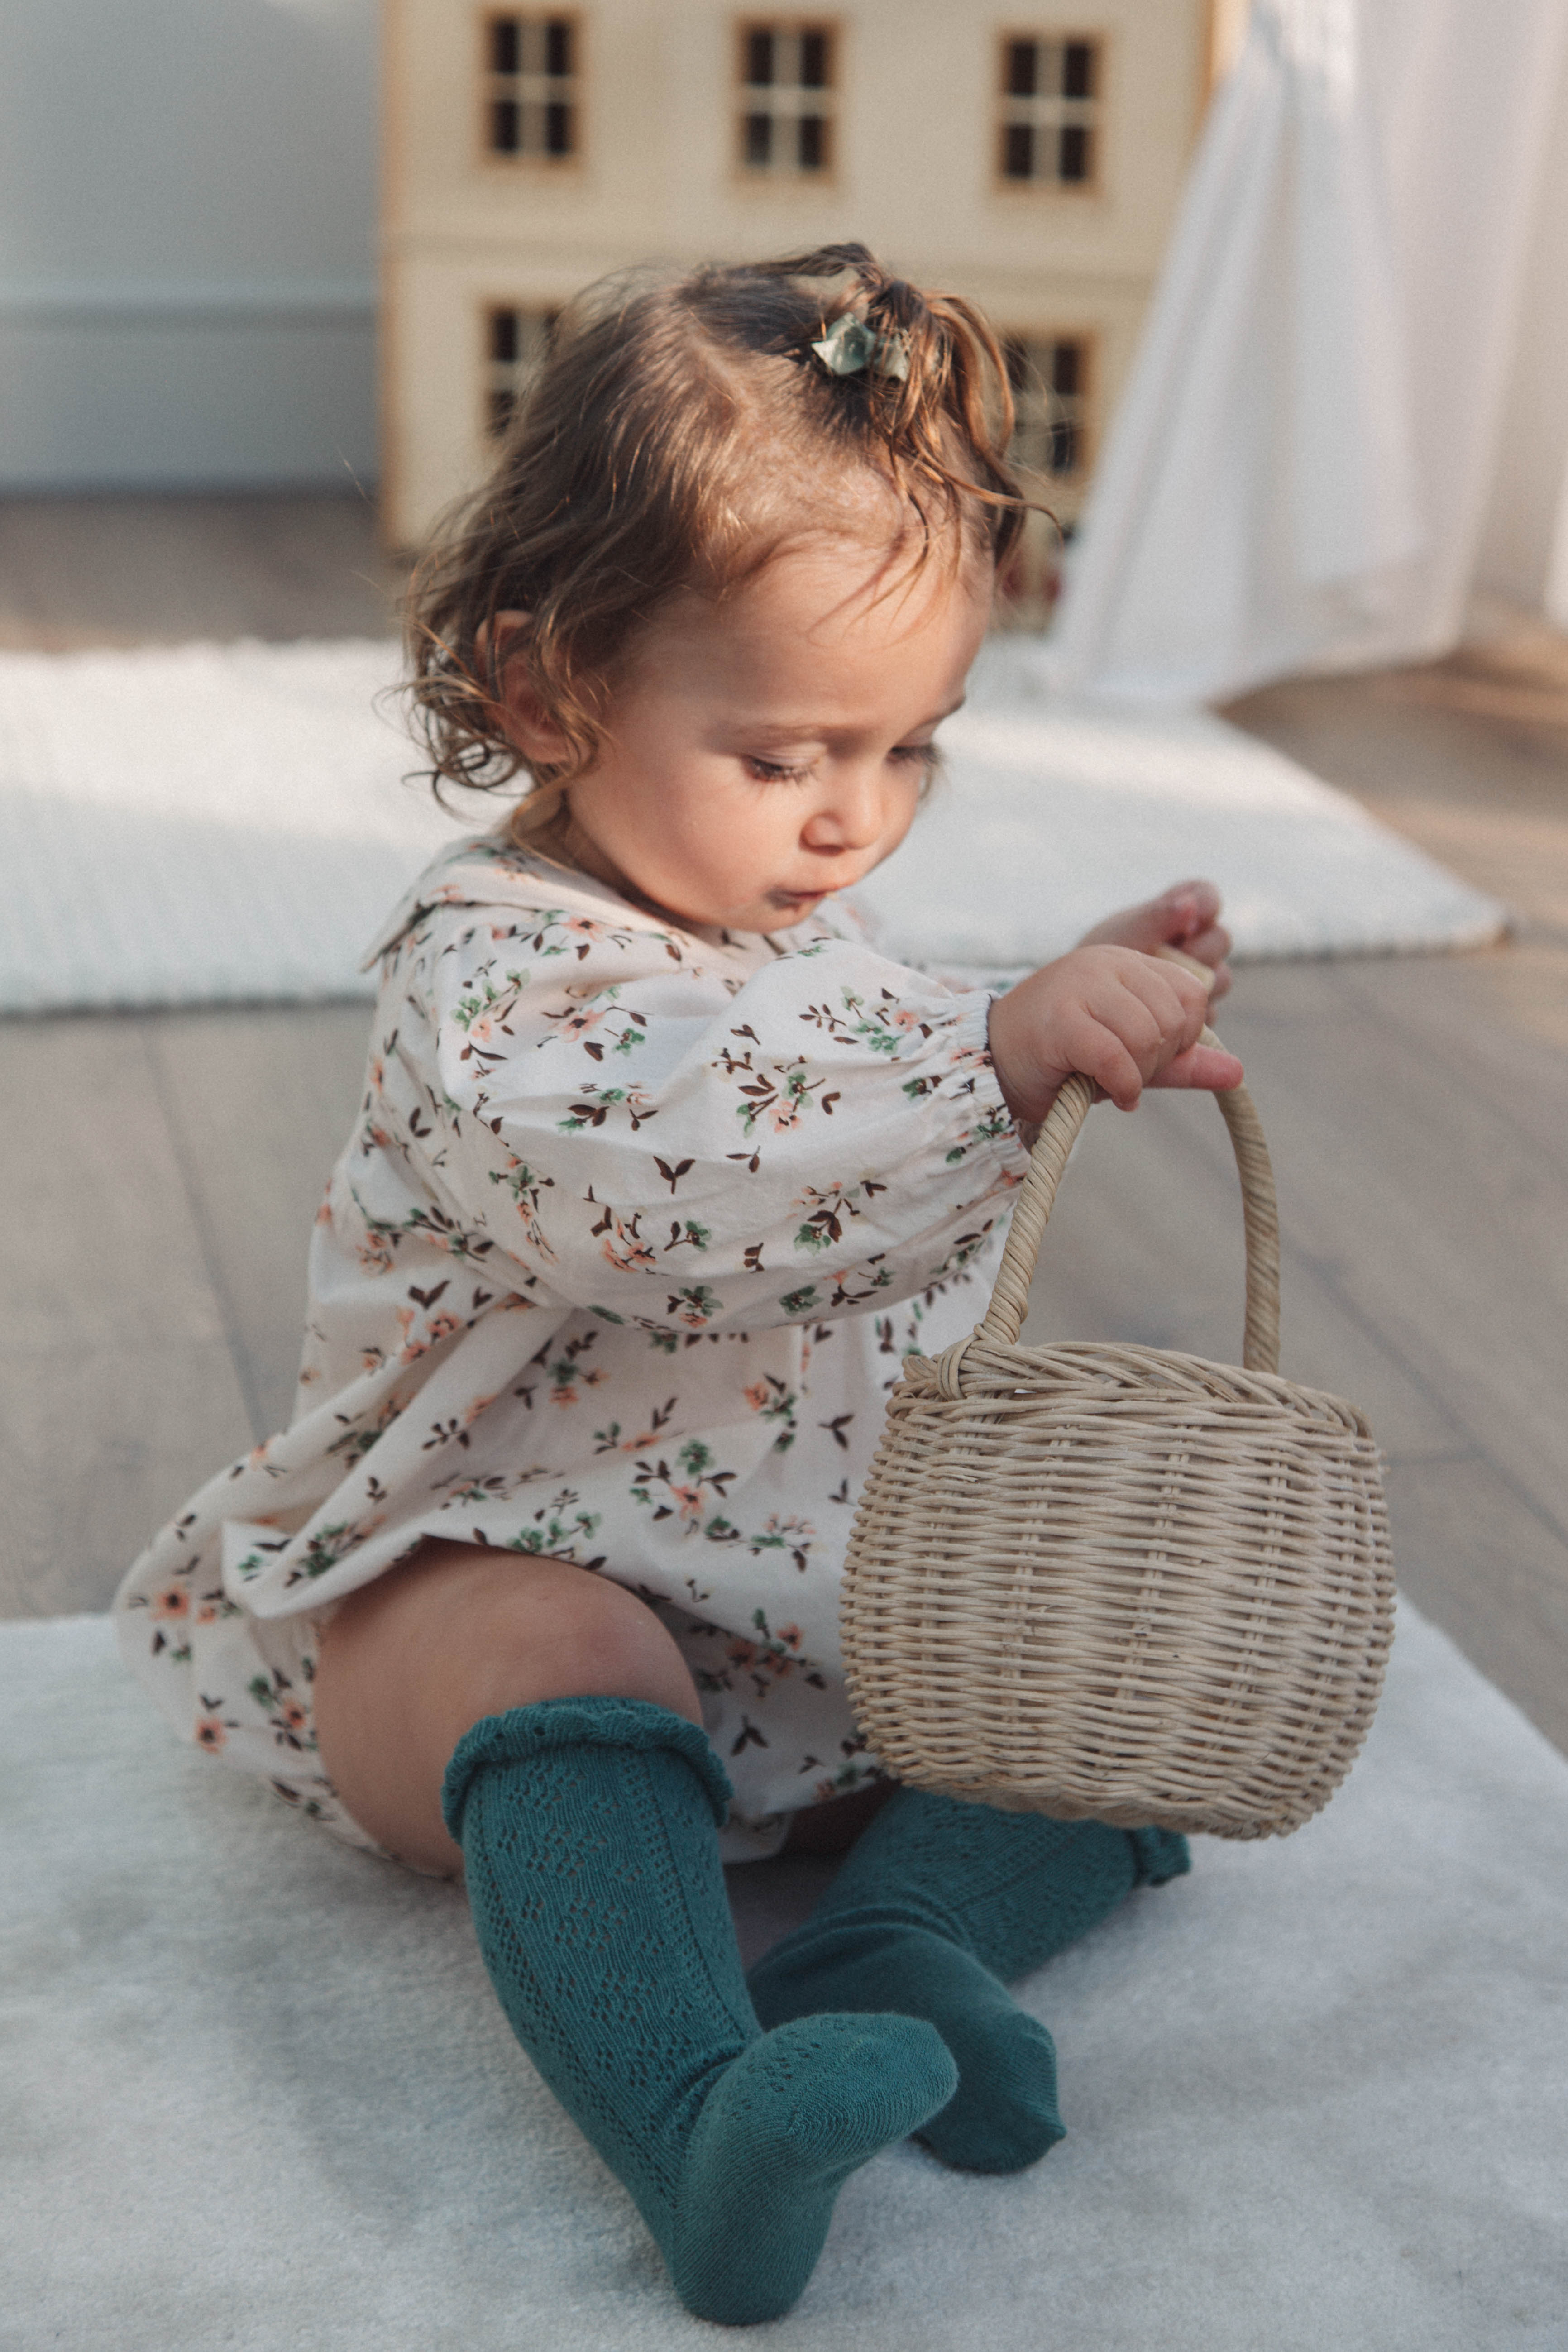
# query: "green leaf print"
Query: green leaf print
{"points": [[555, 1528], [326, 1549], [773, 1399], [695, 1306]]}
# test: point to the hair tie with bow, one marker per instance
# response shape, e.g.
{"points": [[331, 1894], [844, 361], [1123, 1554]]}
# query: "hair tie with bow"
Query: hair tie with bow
{"points": [[851, 345]]}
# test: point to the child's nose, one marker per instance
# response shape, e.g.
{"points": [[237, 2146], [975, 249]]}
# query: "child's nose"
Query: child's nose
{"points": [[853, 816]]}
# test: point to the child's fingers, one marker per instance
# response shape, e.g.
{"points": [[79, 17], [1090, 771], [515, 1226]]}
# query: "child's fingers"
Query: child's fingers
{"points": [[1136, 1024], [1210, 946], [1209, 1066], [1108, 1040], [1185, 912], [1174, 1000], [1115, 1013], [1102, 1056], [1187, 908], [1206, 957]]}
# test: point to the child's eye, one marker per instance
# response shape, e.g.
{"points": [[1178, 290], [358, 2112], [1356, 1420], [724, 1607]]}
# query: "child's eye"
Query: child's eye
{"points": [[925, 756], [776, 771]]}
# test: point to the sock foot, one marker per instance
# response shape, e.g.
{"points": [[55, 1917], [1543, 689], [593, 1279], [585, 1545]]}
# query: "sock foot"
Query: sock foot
{"points": [[782, 2130], [1159, 1856], [1003, 2116]]}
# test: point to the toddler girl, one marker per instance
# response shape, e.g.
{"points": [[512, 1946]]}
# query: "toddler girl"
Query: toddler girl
{"points": [[661, 1168]]}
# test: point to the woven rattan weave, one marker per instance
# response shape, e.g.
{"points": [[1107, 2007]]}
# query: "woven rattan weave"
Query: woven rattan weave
{"points": [[1116, 1582]]}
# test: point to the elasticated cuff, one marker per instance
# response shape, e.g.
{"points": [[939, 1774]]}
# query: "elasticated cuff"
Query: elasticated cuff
{"points": [[556, 1723]]}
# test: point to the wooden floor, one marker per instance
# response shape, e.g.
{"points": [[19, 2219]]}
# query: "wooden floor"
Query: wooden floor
{"points": [[160, 1171]]}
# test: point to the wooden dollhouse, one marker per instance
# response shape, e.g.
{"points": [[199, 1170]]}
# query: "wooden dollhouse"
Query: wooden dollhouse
{"points": [[1029, 157]]}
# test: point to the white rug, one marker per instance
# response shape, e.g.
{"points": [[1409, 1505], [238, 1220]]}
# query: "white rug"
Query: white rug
{"points": [[209, 824], [256, 2092]]}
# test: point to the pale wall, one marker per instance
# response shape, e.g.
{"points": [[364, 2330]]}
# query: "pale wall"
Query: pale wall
{"points": [[187, 233], [657, 179]]}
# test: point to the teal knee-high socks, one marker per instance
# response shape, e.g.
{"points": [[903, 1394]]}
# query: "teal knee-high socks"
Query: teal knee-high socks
{"points": [[940, 1906], [593, 1871]]}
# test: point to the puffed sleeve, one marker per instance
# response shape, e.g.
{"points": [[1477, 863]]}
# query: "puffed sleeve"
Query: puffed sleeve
{"points": [[666, 1135]]}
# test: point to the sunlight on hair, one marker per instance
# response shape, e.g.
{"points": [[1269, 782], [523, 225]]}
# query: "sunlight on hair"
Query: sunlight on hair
{"points": [[680, 433]]}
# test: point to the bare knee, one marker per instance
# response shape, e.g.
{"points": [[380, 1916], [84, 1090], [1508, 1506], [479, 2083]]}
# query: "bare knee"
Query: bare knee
{"points": [[565, 1633], [411, 1663]]}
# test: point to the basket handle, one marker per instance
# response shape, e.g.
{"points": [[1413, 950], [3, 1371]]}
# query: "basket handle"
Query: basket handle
{"points": [[1004, 1319]]}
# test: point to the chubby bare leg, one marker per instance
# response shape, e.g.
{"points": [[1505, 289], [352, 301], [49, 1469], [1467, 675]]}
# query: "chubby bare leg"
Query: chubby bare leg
{"points": [[412, 1662], [592, 1876]]}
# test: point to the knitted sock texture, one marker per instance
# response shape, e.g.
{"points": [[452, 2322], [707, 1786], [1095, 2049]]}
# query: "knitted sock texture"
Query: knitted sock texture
{"points": [[587, 1829], [938, 1906]]}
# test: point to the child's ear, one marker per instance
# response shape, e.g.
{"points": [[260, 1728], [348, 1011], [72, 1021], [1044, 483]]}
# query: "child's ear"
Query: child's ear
{"points": [[525, 717]]}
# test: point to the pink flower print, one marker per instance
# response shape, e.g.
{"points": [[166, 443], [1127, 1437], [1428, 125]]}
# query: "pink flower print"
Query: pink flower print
{"points": [[207, 1614], [439, 1326], [210, 1734], [291, 1713], [758, 1396], [172, 1602], [579, 1024], [688, 1501], [625, 1249], [477, 1406], [375, 1254]]}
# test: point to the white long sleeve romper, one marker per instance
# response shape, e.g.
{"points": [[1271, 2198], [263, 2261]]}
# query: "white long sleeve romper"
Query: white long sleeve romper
{"points": [[617, 1266]]}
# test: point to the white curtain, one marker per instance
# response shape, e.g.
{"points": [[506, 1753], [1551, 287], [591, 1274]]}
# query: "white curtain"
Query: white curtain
{"points": [[1299, 473]]}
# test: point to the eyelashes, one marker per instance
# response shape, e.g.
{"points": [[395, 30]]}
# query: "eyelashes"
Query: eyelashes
{"points": [[925, 757], [774, 772]]}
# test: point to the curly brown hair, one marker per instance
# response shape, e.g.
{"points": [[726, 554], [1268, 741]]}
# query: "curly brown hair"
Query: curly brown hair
{"points": [[675, 436]]}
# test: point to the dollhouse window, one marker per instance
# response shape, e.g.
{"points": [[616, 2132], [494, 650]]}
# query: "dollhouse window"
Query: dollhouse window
{"points": [[1048, 123], [787, 78], [516, 340], [1050, 379], [531, 86]]}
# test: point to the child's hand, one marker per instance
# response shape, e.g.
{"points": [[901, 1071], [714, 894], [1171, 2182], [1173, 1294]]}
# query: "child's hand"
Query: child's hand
{"points": [[1186, 916], [1122, 1019]]}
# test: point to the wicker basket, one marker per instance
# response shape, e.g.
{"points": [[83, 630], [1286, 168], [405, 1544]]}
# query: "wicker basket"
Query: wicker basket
{"points": [[1115, 1582]]}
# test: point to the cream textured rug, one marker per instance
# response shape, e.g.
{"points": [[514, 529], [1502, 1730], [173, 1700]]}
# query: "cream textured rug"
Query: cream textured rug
{"points": [[256, 2092], [220, 824]]}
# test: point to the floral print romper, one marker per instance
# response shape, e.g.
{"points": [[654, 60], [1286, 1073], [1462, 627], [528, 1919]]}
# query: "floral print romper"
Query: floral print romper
{"points": [[618, 1267]]}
